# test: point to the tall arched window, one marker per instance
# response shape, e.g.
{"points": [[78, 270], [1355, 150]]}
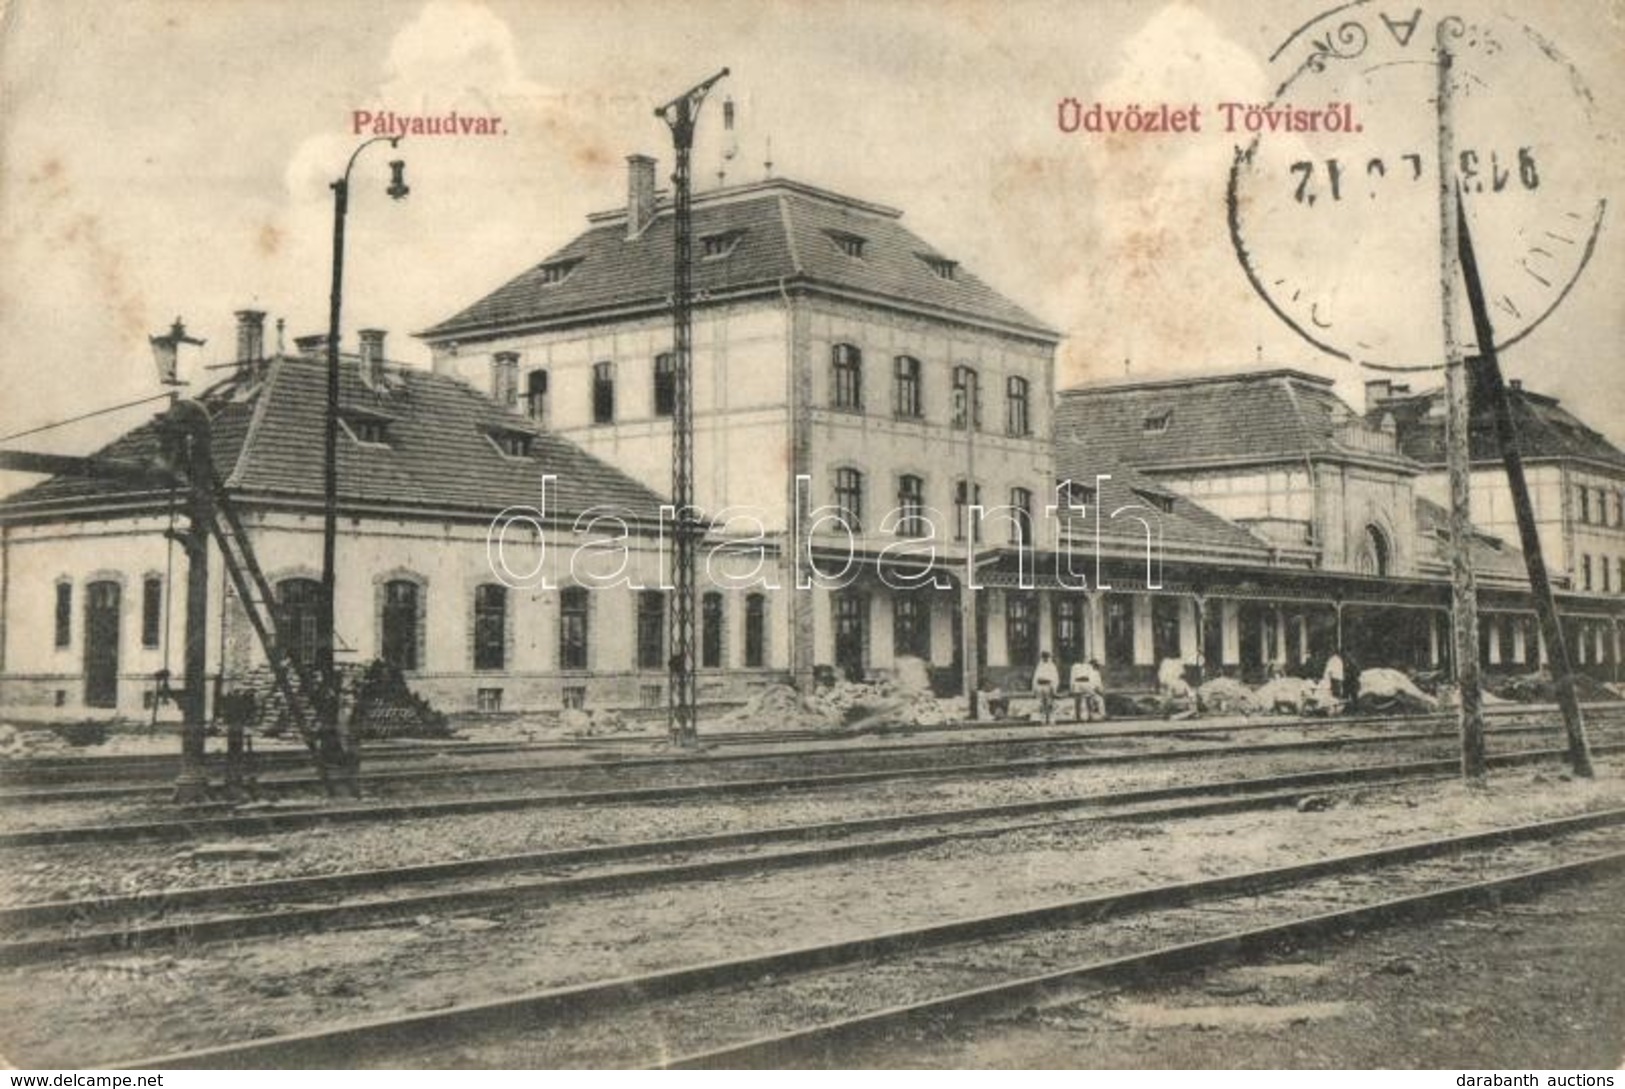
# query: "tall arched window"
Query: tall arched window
{"points": [[399, 642], [490, 626], [711, 630], [846, 377], [755, 631], [1374, 555], [301, 627]]}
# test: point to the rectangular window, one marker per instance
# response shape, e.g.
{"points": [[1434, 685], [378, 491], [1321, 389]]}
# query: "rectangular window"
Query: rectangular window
{"points": [[399, 644], [536, 396], [711, 631], [846, 377], [152, 610], [651, 696], [1585, 572], [665, 392], [651, 629], [755, 631], [906, 401], [1068, 610], [574, 697], [64, 613], [1016, 419], [1021, 629], [911, 625], [573, 631], [963, 500], [1119, 630], [911, 507], [1021, 522], [603, 393], [1585, 504], [488, 700], [967, 398], [490, 626], [849, 497]]}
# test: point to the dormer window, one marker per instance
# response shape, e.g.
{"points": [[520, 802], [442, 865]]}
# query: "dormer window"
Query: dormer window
{"points": [[556, 272], [716, 246], [513, 444], [941, 267], [367, 430], [848, 243], [1157, 422], [1074, 494], [1161, 500]]}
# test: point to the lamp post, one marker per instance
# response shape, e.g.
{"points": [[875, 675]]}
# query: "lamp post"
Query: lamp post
{"points": [[327, 672]]}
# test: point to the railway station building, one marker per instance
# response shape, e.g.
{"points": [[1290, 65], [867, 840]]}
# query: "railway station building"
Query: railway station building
{"points": [[879, 445]]}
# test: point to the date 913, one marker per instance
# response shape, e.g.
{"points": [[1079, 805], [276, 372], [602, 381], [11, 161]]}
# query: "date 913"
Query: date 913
{"points": [[1332, 177]]}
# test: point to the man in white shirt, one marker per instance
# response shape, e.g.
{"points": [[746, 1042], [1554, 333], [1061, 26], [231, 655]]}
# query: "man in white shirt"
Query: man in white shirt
{"points": [[1046, 679], [1088, 690]]}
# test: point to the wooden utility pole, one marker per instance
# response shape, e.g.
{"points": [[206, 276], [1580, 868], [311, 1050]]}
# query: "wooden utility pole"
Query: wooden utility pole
{"points": [[1464, 592], [1488, 380]]}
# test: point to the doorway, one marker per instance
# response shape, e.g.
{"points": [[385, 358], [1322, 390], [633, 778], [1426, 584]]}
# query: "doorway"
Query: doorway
{"points": [[101, 644]]}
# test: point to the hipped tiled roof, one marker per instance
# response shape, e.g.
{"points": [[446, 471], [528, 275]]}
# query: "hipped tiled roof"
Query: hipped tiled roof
{"points": [[1545, 429], [784, 240], [1184, 526], [1258, 415], [439, 454], [1492, 556]]}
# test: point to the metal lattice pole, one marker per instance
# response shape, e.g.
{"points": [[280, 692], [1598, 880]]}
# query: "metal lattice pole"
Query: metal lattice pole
{"points": [[680, 115]]}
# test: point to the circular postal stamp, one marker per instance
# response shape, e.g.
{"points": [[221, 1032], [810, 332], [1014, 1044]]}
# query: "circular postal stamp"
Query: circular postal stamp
{"points": [[1339, 231]]}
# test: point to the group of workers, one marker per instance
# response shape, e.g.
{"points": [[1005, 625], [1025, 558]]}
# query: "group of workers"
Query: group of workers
{"points": [[1084, 683], [1087, 689]]}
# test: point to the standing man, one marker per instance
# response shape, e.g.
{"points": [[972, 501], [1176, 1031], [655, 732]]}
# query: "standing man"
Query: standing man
{"points": [[1046, 679], [1088, 690]]}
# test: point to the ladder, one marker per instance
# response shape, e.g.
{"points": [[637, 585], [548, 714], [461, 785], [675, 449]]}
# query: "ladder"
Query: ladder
{"points": [[299, 688]]}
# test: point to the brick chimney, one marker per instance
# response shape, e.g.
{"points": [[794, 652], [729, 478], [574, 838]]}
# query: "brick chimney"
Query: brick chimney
{"points": [[250, 337], [313, 344], [1377, 390], [372, 358], [505, 379], [640, 193]]}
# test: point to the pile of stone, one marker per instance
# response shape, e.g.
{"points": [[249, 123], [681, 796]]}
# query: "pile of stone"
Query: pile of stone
{"points": [[1228, 696], [1387, 691], [16, 744]]}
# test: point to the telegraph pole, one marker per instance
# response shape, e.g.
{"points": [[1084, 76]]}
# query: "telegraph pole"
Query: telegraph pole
{"points": [[1493, 387], [1464, 591], [681, 115]]}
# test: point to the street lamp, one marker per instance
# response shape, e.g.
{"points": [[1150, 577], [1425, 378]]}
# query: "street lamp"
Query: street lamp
{"points": [[327, 672]]}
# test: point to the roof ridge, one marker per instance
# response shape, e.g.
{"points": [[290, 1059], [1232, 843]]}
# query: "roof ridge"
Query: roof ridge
{"points": [[272, 372], [790, 234]]}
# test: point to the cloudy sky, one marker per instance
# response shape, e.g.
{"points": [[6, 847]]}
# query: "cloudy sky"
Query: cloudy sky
{"points": [[163, 158]]}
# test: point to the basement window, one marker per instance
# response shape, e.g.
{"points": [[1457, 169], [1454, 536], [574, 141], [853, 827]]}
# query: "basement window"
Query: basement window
{"points": [[714, 246], [850, 244], [556, 272], [1157, 422], [941, 267]]}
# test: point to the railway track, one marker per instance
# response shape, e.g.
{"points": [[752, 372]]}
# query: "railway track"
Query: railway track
{"points": [[796, 1005], [46, 931], [195, 822], [148, 775]]}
